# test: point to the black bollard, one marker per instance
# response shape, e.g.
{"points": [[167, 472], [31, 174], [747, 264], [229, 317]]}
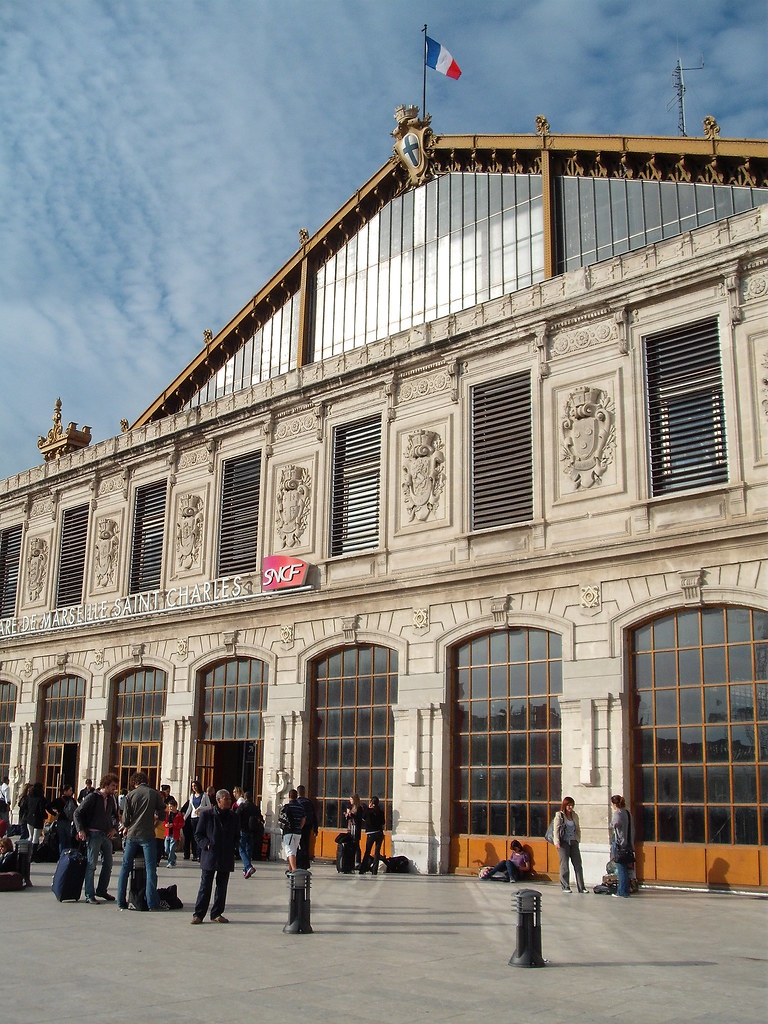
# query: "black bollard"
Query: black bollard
{"points": [[528, 950], [299, 906]]}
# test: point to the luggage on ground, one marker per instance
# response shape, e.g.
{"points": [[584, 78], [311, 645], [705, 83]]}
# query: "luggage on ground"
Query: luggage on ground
{"points": [[137, 885], [11, 881], [397, 865], [68, 880], [345, 853]]}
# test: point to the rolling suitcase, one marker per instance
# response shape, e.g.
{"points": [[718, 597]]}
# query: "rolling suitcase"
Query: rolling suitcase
{"points": [[68, 881], [137, 885], [345, 854]]}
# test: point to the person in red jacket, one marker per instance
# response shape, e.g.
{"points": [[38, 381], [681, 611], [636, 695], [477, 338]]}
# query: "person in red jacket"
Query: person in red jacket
{"points": [[174, 826]]}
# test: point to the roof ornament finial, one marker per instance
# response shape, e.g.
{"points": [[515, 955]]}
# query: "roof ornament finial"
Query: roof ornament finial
{"points": [[303, 236], [207, 335], [60, 442], [711, 128], [542, 125], [414, 142]]}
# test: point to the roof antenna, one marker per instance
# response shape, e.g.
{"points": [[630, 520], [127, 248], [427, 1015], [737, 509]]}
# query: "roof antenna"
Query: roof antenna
{"points": [[677, 78]]}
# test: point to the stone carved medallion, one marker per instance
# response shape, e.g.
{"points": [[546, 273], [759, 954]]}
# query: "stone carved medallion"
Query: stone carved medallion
{"points": [[589, 436], [105, 553], [423, 474], [37, 567], [189, 531], [294, 494]]}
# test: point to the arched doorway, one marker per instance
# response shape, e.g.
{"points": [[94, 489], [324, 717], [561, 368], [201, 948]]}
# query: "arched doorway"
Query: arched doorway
{"points": [[505, 729], [62, 713], [233, 696], [352, 735], [137, 732], [699, 685]]}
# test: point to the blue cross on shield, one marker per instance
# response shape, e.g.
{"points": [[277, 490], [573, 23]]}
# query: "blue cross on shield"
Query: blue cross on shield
{"points": [[411, 149]]}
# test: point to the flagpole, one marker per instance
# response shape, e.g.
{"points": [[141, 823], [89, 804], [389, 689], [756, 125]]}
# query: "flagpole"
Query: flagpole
{"points": [[424, 78]]}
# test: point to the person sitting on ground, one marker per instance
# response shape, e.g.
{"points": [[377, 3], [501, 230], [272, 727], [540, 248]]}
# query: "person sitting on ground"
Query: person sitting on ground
{"points": [[7, 855], [517, 865]]}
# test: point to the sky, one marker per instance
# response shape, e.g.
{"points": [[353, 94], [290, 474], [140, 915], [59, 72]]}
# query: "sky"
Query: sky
{"points": [[158, 157]]}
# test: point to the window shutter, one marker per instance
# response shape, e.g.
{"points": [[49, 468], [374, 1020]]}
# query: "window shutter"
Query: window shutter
{"points": [[74, 534], [10, 553], [502, 452], [686, 417], [239, 514], [148, 531], [355, 490]]}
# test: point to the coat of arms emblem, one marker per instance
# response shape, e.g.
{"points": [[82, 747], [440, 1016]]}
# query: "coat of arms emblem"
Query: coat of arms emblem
{"points": [[413, 143], [423, 474], [589, 436]]}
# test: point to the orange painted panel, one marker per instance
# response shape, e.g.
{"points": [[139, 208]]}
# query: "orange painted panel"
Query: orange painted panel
{"points": [[680, 863], [733, 865], [763, 861]]}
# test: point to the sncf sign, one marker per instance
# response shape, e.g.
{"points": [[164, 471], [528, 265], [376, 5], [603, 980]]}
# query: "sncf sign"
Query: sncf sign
{"points": [[280, 572]]}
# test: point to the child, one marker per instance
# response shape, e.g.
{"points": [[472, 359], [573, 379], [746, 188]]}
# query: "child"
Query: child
{"points": [[174, 826]]}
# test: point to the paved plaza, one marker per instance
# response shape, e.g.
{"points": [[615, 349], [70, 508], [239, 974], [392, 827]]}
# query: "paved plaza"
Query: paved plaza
{"points": [[390, 948]]}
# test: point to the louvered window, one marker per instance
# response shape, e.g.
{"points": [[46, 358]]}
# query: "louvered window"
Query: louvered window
{"points": [[686, 419], [74, 533], [239, 517], [10, 552], [355, 492], [502, 452], [148, 530]]}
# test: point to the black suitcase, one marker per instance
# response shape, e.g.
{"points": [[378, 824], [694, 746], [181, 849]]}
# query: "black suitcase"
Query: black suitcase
{"points": [[68, 880], [345, 854], [137, 885]]}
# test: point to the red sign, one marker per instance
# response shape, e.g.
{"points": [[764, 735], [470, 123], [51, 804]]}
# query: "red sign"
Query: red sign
{"points": [[281, 572]]}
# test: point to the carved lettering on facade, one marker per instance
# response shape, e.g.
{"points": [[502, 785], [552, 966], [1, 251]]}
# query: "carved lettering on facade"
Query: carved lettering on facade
{"points": [[105, 552], [423, 474], [589, 436], [37, 567], [294, 494], [189, 531]]}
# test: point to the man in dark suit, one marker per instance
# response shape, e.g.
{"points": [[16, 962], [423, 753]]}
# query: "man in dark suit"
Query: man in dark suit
{"points": [[216, 836]]}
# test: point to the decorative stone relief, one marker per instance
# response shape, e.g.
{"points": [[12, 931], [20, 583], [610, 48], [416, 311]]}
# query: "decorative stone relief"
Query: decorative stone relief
{"points": [[590, 596], [286, 636], [294, 426], [229, 639], [754, 287], [349, 629], [423, 474], [37, 567], [42, 506], [421, 618], [203, 456], [189, 531], [589, 436], [293, 503], [113, 485], [587, 335], [690, 583], [411, 389], [27, 667], [764, 384], [181, 647], [105, 552], [499, 609]]}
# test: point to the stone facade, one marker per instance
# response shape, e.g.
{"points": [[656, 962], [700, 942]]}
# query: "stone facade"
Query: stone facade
{"points": [[599, 557]]}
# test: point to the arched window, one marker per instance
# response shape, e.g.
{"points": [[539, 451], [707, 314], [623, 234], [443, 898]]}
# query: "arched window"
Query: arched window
{"points": [[7, 715], [230, 738], [506, 732], [353, 691], [138, 724], [63, 707], [700, 730]]}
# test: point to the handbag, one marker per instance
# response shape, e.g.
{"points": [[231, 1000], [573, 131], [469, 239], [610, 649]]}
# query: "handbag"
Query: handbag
{"points": [[549, 835], [625, 855]]}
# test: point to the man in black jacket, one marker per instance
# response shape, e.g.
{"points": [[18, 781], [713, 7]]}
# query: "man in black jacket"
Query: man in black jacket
{"points": [[96, 823], [216, 836], [373, 823]]}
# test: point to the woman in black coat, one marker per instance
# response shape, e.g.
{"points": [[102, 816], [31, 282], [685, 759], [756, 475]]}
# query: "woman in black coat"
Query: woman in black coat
{"points": [[37, 809]]}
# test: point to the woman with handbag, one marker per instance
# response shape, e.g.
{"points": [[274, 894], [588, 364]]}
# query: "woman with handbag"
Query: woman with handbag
{"points": [[567, 835], [622, 851]]}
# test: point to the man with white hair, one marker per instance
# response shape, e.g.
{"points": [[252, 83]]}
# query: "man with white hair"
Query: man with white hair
{"points": [[216, 836]]}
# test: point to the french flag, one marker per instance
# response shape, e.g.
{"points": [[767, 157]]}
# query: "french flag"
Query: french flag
{"points": [[441, 60]]}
